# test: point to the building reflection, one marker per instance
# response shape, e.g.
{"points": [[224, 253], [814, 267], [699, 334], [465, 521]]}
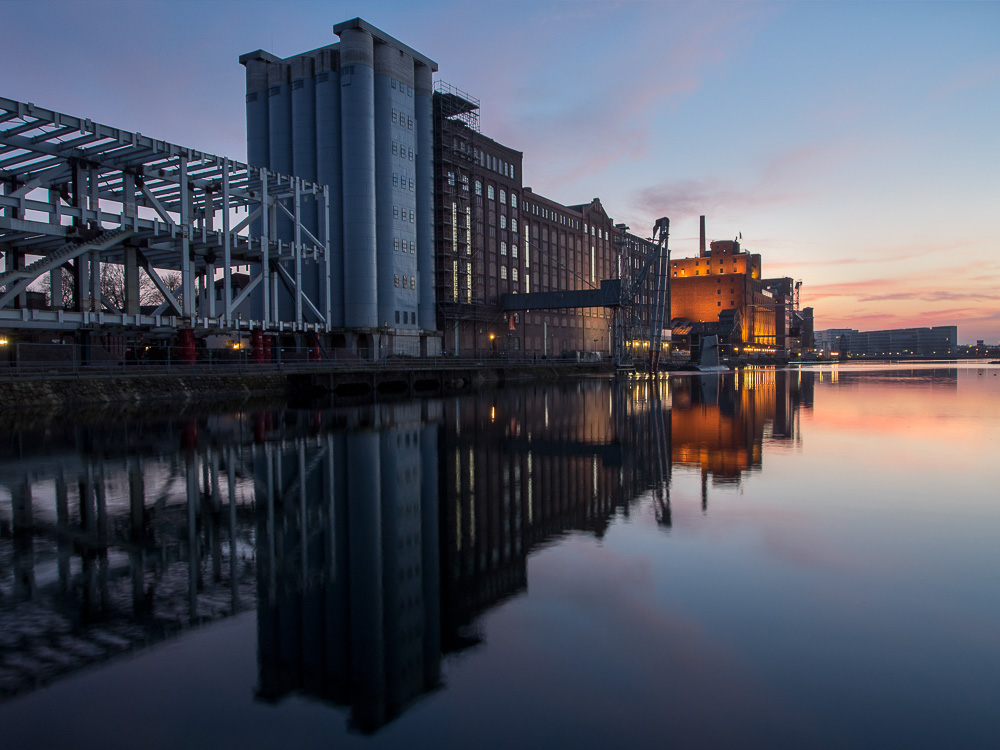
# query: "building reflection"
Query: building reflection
{"points": [[370, 540], [348, 586]]}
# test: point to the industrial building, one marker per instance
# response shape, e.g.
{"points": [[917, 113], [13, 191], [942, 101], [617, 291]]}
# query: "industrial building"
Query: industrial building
{"points": [[356, 116], [939, 341], [372, 218]]}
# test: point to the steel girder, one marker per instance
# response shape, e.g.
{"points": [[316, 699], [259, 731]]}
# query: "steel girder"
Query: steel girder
{"points": [[72, 189]]}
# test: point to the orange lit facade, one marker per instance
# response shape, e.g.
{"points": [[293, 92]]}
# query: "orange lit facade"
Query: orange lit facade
{"points": [[724, 277]]}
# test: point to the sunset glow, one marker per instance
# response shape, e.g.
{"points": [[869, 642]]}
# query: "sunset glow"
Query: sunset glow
{"points": [[852, 145]]}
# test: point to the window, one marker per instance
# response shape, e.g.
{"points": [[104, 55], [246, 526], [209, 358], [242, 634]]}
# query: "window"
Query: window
{"points": [[413, 282], [503, 248], [513, 198], [503, 272], [397, 316], [503, 219], [503, 196], [489, 192], [513, 274], [451, 178], [412, 247], [395, 212], [465, 182], [395, 244], [395, 280], [479, 188], [513, 249]]}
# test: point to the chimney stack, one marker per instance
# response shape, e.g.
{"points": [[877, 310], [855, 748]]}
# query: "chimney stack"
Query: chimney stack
{"points": [[701, 242]]}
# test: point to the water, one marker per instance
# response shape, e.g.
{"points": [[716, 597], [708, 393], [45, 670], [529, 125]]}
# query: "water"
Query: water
{"points": [[771, 559]]}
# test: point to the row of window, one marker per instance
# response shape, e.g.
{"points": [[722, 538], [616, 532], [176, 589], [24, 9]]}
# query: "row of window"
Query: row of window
{"points": [[402, 150], [408, 317], [401, 86], [400, 212], [402, 119], [492, 163], [402, 181], [513, 273], [409, 282], [400, 245]]}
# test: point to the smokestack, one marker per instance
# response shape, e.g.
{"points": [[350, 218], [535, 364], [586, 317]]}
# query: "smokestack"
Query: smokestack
{"points": [[701, 242]]}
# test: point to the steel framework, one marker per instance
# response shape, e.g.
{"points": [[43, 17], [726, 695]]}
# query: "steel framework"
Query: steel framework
{"points": [[77, 194]]}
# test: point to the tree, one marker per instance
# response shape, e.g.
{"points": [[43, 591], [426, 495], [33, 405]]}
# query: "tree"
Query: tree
{"points": [[113, 286]]}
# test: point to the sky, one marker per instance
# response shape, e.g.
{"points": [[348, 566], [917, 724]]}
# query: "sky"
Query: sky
{"points": [[853, 145]]}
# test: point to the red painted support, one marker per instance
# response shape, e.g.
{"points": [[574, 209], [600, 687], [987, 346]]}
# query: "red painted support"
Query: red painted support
{"points": [[314, 355], [257, 347], [186, 349]]}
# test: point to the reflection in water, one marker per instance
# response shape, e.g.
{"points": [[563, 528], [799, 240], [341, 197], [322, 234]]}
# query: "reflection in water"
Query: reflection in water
{"points": [[369, 540]]}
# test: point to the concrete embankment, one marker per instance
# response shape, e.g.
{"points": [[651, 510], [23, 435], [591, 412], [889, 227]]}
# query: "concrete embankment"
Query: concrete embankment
{"points": [[150, 389]]}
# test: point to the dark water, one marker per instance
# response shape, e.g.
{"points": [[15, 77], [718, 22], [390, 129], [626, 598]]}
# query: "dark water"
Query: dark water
{"points": [[768, 559]]}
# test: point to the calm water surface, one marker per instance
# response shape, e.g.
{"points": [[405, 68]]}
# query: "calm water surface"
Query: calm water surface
{"points": [[766, 559]]}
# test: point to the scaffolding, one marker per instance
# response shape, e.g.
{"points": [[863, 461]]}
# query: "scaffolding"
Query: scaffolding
{"points": [[460, 268]]}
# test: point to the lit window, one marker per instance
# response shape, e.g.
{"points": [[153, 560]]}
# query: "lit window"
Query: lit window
{"points": [[451, 178], [479, 188], [503, 219], [503, 272], [513, 225], [503, 248], [489, 192]]}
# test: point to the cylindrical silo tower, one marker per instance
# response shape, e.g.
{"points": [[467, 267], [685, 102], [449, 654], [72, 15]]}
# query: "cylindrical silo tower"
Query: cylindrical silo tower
{"points": [[304, 153], [427, 309], [328, 171], [395, 187], [357, 92]]}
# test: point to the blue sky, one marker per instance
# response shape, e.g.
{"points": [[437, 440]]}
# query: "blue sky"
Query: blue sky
{"points": [[854, 145]]}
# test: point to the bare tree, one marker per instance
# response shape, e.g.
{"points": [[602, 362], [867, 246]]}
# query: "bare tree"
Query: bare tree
{"points": [[112, 286]]}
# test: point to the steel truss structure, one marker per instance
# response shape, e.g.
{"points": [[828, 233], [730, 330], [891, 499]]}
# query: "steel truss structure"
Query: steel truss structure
{"points": [[76, 194]]}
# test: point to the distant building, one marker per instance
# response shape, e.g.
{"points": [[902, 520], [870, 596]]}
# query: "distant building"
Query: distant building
{"points": [[723, 283], [939, 341]]}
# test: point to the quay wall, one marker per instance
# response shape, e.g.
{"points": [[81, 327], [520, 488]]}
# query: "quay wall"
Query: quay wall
{"points": [[179, 389]]}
